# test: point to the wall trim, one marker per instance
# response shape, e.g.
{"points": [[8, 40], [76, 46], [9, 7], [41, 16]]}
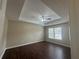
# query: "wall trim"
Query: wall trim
{"points": [[2, 53], [23, 44]]}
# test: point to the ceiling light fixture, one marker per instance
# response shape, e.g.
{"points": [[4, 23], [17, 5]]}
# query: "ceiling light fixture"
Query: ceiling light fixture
{"points": [[45, 18]]}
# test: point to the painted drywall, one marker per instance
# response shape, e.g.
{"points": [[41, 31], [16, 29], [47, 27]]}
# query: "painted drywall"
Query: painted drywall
{"points": [[4, 37], [2, 23], [20, 33], [14, 8], [33, 10], [74, 28], [61, 7], [65, 34]]}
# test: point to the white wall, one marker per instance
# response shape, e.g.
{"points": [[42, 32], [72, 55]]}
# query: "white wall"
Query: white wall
{"points": [[65, 35], [2, 21], [20, 33]]}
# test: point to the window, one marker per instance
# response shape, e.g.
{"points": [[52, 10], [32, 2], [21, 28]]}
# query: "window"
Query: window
{"points": [[51, 30], [58, 33], [55, 33]]}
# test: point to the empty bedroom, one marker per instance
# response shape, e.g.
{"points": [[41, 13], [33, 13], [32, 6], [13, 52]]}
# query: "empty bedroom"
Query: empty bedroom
{"points": [[38, 29]]}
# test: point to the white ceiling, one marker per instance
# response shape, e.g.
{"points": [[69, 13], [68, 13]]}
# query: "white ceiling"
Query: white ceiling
{"points": [[14, 8], [0, 4], [61, 7], [33, 10]]}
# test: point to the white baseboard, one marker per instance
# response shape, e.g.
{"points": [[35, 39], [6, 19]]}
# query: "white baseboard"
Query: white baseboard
{"points": [[23, 44], [17, 46], [2, 53], [66, 45]]}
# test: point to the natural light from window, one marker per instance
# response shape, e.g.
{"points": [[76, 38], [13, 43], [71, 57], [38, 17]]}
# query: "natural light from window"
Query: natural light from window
{"points": [[55, 33]]}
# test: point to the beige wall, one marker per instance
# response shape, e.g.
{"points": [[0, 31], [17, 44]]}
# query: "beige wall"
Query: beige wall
{"points": [[2, 21], [20, 33], [74, 28], [65, 34], [5, 32]]}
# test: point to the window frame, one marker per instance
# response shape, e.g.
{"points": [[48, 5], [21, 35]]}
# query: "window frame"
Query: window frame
{"points": [[55, 34]]}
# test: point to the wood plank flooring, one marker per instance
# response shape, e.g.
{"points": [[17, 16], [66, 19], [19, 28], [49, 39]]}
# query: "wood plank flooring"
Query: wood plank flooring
{"points": [[41, 50]]}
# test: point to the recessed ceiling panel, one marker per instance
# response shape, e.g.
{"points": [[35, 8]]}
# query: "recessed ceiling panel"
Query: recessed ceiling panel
{"points": [[33, 10]]}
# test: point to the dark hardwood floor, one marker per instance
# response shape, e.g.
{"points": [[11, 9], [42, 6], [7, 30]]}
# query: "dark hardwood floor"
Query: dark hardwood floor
{"points": [[41, 50]]}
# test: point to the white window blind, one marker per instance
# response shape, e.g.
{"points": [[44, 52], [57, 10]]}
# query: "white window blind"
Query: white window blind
{"points": [[50, 31], [55, 33]]}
